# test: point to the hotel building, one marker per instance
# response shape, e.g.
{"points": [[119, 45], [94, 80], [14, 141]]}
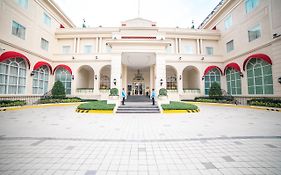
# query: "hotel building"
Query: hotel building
{"points": [[238, 45]]}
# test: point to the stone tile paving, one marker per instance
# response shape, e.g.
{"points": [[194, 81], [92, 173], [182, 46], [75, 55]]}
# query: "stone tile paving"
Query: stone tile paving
{"points": [[218, 140]]}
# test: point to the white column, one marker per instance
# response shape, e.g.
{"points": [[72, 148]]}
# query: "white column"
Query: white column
{"points": [[74, 45], [179, 45], [74, 81], [198, 46], [97, 44], [97, 82], [160, 73], [180, 77], [116, 69], [151, 78], [201, 46], [100, 45], [176, 44], [78, 45]]}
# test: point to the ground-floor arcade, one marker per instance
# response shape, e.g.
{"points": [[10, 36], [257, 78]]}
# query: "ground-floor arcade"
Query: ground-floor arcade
{"points": [[138, 73]]}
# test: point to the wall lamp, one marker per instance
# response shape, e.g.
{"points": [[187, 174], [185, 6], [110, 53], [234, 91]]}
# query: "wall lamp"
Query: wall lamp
{"points": [[96, 77], [202, 58], [203, 77], [241, 74], [97, 57], [180, 58], [114, 81], [2, 49], [279, 80], [72, 77], [161, 82], [32, 73], [73, 58], [180, 77]]}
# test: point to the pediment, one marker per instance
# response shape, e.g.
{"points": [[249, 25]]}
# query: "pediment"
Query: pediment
{"points": [[138, 22]]}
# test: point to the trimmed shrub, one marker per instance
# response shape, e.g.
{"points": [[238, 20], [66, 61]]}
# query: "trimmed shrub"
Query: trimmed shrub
{"points": [[114, 92], [221, 99], [58, 90], [8, 103], [60, 100], [268, 102], [162, 92], [175, 105], [96, 105], [215, 90]]}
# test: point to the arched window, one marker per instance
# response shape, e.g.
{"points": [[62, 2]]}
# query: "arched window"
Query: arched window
{"points": [[40, 80], [104, 82], [233, 81], [13, 76], [65, 77], [259, 75], [212, 76], [171, 82]]}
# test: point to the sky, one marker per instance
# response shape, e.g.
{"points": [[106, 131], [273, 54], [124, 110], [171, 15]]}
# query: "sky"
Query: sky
{"points": [[110, 13]]}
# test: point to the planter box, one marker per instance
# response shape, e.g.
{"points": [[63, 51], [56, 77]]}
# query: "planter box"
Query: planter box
{"points": [[113, 100], [163, 100]]}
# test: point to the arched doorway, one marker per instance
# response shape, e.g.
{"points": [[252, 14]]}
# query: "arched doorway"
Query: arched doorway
{"points": [[171, 78], [85, 79], [105, 76], [191, 79]]}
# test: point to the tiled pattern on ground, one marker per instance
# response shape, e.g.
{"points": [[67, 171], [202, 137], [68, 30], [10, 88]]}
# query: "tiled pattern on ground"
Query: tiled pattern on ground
{"points": [[217, 140], [250, 156]]}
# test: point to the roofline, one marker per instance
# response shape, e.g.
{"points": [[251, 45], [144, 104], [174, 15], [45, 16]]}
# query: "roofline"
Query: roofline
{"points": [[213, 13], [60, 11]]}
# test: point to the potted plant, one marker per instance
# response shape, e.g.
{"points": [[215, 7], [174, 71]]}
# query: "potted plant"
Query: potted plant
{"points": [[113, 96], [163, 97]]}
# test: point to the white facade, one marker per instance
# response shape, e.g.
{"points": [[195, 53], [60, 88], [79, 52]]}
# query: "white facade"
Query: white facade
{"points": [[140, 56]]}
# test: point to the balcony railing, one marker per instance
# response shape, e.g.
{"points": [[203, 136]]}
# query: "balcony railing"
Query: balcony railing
{"points": [[85, 90], [191, 91]]}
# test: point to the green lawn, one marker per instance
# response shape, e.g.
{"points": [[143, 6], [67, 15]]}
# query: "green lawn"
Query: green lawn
{"points": [[175, 105], [96, 105]]}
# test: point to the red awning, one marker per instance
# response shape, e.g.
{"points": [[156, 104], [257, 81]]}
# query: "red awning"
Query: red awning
{"points": [[42, 63], [232, 65], [63, 66], [11, 54], [210, 68], [259, 55]]}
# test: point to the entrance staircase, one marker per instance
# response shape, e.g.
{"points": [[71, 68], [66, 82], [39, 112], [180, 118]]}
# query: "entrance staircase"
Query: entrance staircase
{"points": [[138, 104]]}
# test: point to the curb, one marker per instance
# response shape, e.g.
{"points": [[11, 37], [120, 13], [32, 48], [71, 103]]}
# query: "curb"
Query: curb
{"points": [[36, 106], [238, 106], [94, 111], [180, 111]]}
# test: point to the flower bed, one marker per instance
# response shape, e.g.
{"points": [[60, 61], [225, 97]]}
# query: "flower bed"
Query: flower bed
{"points": [[268, 102], [222, 99], [174, 105], [96, 105], [59, 100], [8, 103]]}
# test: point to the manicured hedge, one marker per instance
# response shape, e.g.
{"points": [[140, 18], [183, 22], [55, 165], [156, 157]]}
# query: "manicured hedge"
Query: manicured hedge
{"points": [[96, 105], [59, 100], [174, 105], [221, 99], [8, 103], [268, 102]]}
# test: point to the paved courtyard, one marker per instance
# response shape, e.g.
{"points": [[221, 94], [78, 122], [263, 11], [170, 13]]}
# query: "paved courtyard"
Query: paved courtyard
{"points": [[217, 140]]}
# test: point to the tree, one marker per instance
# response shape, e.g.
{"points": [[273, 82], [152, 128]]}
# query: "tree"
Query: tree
{"points": [[58, 90], [215, 90]]}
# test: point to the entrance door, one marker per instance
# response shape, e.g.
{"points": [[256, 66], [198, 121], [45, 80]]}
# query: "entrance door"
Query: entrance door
{"points": [[138, 88]]}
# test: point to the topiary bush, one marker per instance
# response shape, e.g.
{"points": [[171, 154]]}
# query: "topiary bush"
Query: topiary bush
{"points": [[162, 92], [114, 92], [58, 90], [215, 90], [8, 103]]}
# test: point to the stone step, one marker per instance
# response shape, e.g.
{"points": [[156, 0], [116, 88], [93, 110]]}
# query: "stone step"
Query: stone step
{"points": [[140, 109], [134, 111]]}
